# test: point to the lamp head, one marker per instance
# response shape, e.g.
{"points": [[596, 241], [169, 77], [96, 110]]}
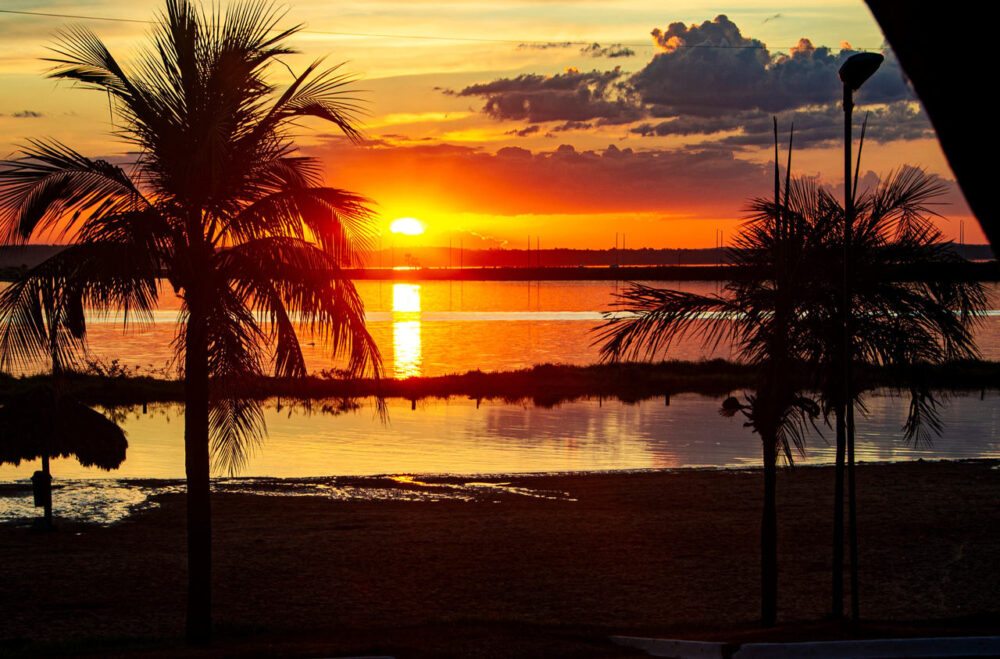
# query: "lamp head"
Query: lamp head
{"points": [[858, 68]]}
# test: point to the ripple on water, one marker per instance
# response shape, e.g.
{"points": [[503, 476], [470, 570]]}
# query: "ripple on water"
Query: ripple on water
{"points": [[98, 501]]}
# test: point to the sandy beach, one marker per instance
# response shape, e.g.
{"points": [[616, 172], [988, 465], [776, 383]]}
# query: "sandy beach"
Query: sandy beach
{"points": [[548, 571]]}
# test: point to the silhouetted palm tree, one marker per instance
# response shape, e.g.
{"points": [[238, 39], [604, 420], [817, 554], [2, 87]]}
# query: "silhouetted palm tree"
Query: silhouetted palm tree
{"points": [[216, 203], [894, 321], [760, 315]]}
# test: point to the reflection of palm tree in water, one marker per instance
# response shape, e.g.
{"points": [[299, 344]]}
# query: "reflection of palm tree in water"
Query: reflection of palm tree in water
{"points": [[41, 317]]}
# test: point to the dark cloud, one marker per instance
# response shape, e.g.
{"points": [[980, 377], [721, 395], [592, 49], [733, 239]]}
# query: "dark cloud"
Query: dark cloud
{"points": [[26, 114], [535, 45], [524, 132], [772, 17], [570, 96], [707, 79], [571, 125], [612, 51], [813, 127], [712, 69], [824, 126], [696, 125]]}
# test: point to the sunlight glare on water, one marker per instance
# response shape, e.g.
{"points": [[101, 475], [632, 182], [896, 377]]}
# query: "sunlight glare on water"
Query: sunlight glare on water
{"points": [[406, 355]]}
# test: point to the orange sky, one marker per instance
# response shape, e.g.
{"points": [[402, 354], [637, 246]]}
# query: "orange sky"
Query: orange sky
{"points": [[567, 121]]}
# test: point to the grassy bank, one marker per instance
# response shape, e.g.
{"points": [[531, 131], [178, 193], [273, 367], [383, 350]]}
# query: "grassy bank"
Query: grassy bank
{"points": [[545, 384]]}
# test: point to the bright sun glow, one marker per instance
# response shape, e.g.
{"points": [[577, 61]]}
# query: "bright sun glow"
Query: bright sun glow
{"points": [[408, 226]]}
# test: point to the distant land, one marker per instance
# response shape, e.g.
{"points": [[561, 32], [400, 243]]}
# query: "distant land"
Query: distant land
{"points": [[12, 258], [444, 257]]}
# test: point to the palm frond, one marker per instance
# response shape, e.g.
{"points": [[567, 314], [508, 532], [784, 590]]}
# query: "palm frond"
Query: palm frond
{"points": [[49, 182], [646, 321]]}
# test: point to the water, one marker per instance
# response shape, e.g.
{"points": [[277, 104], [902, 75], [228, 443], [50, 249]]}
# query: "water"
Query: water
{"points": [[434, 328], [440, 327], [458, 437]]}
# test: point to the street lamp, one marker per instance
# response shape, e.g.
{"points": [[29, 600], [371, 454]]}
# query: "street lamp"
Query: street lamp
{"points": [[854, 72]]}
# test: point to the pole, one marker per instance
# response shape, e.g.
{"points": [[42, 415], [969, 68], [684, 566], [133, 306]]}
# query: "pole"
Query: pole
{"points": [[838, 522]]}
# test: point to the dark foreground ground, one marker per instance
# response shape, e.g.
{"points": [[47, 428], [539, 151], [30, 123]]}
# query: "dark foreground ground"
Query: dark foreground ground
{"points": [[668, 554]]}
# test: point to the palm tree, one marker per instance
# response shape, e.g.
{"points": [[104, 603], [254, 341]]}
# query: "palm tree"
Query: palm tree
{"points": [[894, 322], [759, 315], [217, 203]]}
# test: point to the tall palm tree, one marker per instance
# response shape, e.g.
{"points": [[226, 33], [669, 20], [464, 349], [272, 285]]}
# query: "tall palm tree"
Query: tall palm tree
{"points": [[894, 322], [759, 315], [217, 203]]}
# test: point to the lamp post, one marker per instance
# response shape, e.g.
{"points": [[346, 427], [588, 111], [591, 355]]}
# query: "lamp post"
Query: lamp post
{"points": [[853, 73]]}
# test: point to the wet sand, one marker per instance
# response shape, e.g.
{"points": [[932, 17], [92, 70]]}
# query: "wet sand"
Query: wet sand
{"points": [[509, 575]]}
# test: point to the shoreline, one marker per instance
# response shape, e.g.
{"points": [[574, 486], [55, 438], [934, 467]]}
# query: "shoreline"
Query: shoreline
{"points": [[543, 384], [661, 553], [448, 476]]}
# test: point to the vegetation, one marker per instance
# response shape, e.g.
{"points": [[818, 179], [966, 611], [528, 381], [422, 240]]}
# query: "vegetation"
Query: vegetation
{"points": [[790, 311], [216, 200], [899, 325], [760, 315]]}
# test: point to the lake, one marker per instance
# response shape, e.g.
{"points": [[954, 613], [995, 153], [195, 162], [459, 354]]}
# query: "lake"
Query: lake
{"points": [[437, 328], [434, 328]]}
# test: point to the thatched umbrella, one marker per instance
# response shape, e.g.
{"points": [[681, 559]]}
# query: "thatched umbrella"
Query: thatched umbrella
{"points": [[41, 423]]}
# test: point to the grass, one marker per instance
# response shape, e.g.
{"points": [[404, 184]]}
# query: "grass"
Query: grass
{"points": [[544, 385]]}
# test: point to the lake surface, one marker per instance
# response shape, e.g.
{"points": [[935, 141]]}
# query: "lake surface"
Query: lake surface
{"points": [[434, 328], [437, 328], [320, 446], [459, 436]]}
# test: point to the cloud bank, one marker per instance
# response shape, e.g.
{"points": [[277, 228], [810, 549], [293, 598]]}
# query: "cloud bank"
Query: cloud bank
{"points": [[713, 81]]}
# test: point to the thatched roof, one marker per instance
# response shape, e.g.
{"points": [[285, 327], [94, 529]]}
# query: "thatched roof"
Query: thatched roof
{"points": [[39, 421]]}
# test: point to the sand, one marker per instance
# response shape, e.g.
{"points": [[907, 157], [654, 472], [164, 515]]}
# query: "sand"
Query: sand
{"points": [[670, 554]]}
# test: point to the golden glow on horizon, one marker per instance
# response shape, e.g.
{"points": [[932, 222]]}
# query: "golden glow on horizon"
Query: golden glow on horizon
{"points": [[408, 226]]}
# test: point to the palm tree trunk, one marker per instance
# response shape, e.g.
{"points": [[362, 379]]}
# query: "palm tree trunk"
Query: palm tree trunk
{"points": [[837, 608], [769, 536], [852, 515], [199, 514]]}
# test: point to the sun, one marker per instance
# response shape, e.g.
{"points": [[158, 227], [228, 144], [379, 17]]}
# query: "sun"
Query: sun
{"points": [[408, 226]]}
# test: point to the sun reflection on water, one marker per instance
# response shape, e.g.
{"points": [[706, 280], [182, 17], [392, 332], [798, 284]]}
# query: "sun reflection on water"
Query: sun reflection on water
{"points": [[407, 355]]}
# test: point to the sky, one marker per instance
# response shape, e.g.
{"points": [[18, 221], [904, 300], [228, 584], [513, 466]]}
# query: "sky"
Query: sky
{"points": [[562, 122]]}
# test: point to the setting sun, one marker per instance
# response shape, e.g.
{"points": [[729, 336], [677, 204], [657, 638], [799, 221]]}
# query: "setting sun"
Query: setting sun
{"points": [[408, 226]]}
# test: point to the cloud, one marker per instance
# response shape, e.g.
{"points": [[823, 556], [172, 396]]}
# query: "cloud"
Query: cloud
{"points": [[26, 114], [524, 132], [612, 51], [820, 126], [569, 96], [703, 182], [548, 45], [710, 79], [712, 69], [696, 125], [570, 125]]}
